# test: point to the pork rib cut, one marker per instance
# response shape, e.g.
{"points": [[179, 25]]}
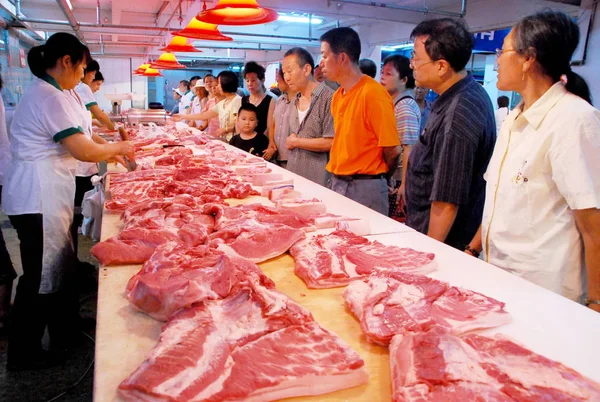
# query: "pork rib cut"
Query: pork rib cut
{"points": [[256, 345], [392, 303], [336, 259], [436, 366]]}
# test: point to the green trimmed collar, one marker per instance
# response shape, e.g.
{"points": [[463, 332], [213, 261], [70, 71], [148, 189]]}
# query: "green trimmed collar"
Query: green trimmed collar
{"points": [[51, 81]]}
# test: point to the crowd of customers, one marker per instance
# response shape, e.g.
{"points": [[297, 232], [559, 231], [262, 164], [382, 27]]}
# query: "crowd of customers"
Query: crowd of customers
{"points": [[520, 187]]}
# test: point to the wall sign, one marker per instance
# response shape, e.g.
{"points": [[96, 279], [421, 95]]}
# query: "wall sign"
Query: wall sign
{"points": [[489, 41]]}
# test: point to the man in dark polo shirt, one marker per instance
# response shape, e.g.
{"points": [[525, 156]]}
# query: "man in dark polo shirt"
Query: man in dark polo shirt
{"points": [[445, 189]]}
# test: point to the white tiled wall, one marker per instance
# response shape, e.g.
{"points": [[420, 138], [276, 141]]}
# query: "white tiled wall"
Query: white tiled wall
{"points": [[118, 79]]}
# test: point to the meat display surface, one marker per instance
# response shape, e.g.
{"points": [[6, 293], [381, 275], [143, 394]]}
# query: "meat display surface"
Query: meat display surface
{"points": [[393, 303], [436, 366], [255, 345], [335, 260]]}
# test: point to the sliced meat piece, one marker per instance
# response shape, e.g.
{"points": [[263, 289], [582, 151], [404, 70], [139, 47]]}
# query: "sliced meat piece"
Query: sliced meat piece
{"points": [[114, 252], [391, 303]]}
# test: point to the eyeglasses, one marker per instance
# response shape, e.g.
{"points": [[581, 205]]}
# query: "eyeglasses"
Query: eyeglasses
{"points": [[413, 61], [500, 52]]}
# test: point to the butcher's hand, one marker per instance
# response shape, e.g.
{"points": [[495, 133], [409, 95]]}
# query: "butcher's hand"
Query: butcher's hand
{"points": [[291, 141], [120, 160], [126, 148], [177, 117], [270, 151]]}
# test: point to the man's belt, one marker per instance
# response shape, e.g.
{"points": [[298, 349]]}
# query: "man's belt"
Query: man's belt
{"points": [[361, 177]]}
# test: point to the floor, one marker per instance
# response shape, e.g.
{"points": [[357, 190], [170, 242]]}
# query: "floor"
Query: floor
{"points": [[72, 381]]}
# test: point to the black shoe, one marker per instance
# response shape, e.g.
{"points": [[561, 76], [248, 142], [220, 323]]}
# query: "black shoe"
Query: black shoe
{"points": [[40, 361]]}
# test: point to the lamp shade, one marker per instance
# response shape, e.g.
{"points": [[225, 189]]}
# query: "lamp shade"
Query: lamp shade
{"points": [[238, 12], [179, 44], [141, 69], [167, 61], [201, 30], [151, 72]]}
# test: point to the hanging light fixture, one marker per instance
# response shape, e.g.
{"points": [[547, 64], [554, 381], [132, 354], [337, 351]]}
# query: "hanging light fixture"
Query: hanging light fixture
{"points": [[166, 61], [152, 72], [180, 44], [237, 12], [141, 69], [201, 30]]}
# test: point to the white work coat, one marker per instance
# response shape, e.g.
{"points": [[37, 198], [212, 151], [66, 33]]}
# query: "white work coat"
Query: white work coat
{"points": [[40, 178], [4, 144], [84, 102], [545, 165]]}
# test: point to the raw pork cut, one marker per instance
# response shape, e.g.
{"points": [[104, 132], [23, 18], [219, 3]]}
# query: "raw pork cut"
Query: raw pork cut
{"points": [[336, 259], [439, 367], [256, 345], [188, 276], [226, 216], [254, 241], [115, 252], [392, 303]]}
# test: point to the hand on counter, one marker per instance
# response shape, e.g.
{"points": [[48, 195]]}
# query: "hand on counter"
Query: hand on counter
{"points": [[221, 132], [177, 117], [270, 151]]}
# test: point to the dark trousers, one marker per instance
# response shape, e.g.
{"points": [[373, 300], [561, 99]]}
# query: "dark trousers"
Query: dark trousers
{"points": [[82, 186], [32, 312], [7, 271]]}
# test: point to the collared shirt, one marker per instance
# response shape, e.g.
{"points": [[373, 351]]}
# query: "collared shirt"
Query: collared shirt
{"points": [[86, 94], [448, 161], [281, 117], [546, 164], [186, 101], [364, 124], [408, 118], [43, 118], [318, 123]]}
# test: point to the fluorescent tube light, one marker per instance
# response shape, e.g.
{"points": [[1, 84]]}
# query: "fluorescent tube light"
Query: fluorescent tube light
{"points": [[300, 19]]}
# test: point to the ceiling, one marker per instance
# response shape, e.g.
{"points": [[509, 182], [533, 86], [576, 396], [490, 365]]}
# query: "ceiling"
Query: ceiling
{"points": [[140, 27]]}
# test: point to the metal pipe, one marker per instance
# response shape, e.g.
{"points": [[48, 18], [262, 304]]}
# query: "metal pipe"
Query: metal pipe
{"points": [[70, 18], [101, 43], [424, 10], [18, 8]]}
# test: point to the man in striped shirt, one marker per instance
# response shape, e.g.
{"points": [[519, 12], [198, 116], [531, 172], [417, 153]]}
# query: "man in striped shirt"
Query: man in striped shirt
{"points": [[445, 189]]}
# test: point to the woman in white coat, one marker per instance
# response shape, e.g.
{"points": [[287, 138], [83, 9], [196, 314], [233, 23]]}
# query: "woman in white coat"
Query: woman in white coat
{"points": [[46, 139]]}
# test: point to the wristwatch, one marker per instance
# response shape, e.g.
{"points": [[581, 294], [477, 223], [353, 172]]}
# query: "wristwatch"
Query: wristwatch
{"points": [[589, 301], [472, 251]]}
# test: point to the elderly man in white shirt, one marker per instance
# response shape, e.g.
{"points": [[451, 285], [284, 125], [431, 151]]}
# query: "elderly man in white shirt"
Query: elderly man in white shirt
{"points": [[542, 213]]}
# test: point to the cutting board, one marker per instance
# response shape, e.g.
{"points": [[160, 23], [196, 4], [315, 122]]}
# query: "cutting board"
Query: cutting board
{"points": [[124, 336]]}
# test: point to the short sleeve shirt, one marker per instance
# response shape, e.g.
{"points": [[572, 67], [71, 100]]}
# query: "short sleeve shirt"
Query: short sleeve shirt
{"points": [[364, 124], [256, 146], [546, 165], [448, 161], [317, 123], [228, 111], [43, 118], [86, 94], [281, 118], [213, 124], [408, 118]]}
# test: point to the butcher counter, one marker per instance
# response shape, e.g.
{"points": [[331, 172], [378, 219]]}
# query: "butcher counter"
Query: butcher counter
{"points": [[542, 321]]}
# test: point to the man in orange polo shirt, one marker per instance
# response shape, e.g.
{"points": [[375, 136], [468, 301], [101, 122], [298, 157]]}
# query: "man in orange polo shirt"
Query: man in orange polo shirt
{"points": [[365, 150]]}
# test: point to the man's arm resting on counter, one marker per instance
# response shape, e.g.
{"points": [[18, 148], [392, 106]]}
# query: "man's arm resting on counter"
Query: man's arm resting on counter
{"points": [[441, 219], [391, 157], [588, 223]]}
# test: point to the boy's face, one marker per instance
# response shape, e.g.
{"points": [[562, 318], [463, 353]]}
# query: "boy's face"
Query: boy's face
{"points": [[247, 122]]}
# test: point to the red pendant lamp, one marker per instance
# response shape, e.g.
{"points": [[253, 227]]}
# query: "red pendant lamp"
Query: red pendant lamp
{"points": [[152, 72], [237, 12], [201, 30], [167, 61], [141, 69], [179, 44]]}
